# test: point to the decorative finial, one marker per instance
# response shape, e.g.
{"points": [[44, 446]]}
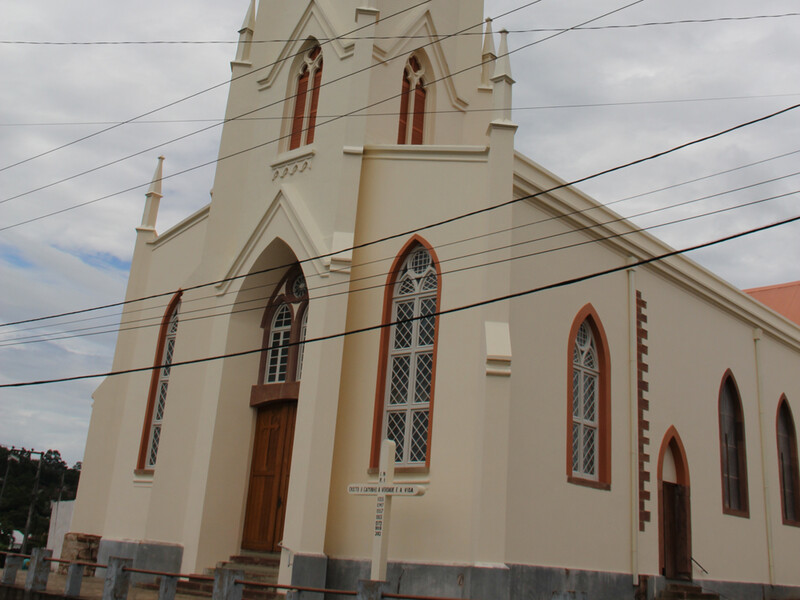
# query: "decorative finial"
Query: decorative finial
{"points": [[246, 34], [153, 198], [489, 55], [503, 65]]}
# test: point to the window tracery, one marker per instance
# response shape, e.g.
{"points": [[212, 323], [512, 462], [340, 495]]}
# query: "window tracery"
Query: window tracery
{"points": [[406, 393]]}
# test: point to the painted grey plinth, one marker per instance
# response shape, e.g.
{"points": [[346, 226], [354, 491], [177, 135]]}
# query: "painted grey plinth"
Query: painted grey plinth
{"points": [[117, 579], [225, 587], [310, 570], [72, 586], [154, 556], [13, 563], [371, 590], [39, 570], [167, 588]]}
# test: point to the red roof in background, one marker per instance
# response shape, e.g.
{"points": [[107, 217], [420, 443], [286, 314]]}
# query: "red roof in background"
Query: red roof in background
{"points": [[783, 298]]}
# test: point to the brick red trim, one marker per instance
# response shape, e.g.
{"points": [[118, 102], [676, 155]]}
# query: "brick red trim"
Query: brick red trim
{"points": [[603, 481], [741, 451], [141, 459], [643, 408], [380, 388]]}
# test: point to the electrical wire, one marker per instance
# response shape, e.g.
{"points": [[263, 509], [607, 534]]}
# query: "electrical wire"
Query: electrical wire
{"points": [[195, 94], [439, 313], [395, 113], [382, 37], [567, 214], [440, 223], [250, 112], [155, 321]]}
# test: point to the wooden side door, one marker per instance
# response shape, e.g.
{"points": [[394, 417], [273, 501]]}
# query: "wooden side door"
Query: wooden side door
{"points": [[677, 544], [269, 477]]}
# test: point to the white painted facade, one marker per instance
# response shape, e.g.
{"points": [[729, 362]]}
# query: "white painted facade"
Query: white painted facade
{"points": [[498, 492]]}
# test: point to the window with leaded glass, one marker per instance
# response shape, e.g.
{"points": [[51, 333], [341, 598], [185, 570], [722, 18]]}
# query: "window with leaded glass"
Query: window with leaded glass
{"points": [[409, 374], [588, 397], [152, 430], [787, 465], [733, 457], [585, 376], [285, 323]]}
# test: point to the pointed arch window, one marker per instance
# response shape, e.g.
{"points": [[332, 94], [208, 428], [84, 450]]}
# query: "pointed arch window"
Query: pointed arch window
{"points": [[787, 465], [284, 324], [404, 403], [306, 99], [588, 427], [733, 455], [412, 103], [159, 386]]}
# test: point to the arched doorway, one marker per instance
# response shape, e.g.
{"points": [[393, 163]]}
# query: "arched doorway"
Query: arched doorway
{"points": [[273, 399], [674, 509]]}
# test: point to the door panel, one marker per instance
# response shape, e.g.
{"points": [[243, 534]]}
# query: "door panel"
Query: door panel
{"points": [[677, 540], [269, 477]]}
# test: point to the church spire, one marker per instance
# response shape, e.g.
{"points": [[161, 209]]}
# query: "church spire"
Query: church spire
{"points": [[153, 198], [246, 34]]}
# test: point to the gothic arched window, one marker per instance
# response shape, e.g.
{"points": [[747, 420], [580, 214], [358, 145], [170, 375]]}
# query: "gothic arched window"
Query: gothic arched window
{"points": [[589, 429], [404, 403], [733, 457], [159, 385], [285, 330], [306, 99], [787, 465], [412, 103]]}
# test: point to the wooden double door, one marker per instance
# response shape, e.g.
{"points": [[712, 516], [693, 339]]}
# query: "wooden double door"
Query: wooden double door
{"points": [[269, 477]]}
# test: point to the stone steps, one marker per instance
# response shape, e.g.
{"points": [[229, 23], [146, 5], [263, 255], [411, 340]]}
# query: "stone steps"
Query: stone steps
{"points": [[257, 567], [685, 591]]}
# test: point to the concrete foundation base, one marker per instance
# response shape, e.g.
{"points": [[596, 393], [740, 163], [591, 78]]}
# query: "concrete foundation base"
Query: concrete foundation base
{"points": [[155, 556]]}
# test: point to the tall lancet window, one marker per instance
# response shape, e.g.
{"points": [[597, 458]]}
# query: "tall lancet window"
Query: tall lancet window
{"points": [[787, 465], [159, 386], [733, 457], [284, 325], [589, 420], [412, 103], [306, 99], [405, 385]]}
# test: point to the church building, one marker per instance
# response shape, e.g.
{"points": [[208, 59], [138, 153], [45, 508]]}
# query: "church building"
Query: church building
{"points": [[378, 262]]}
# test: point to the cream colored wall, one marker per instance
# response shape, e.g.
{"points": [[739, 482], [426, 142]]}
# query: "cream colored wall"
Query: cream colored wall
{"points": [[114, 501], [585, 528]]}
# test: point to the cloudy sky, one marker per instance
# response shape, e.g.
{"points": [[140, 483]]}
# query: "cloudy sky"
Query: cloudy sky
{"points": [[585, 101]]}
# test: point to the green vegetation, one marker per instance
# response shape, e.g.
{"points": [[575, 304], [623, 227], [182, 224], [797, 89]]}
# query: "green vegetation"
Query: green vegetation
{"points": [[56, 482]]}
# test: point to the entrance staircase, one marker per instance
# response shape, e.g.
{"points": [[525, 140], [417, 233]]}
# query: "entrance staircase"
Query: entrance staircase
{"points": [[260, 567], [685, 591]]}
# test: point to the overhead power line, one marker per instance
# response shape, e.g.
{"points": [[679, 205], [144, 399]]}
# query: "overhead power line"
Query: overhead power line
{"points": [[193, 95], [247, 113], [156, 320], [433, 225], [462, 308], [160, 307], [268, 142], [384, 37], [395, 113]]}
